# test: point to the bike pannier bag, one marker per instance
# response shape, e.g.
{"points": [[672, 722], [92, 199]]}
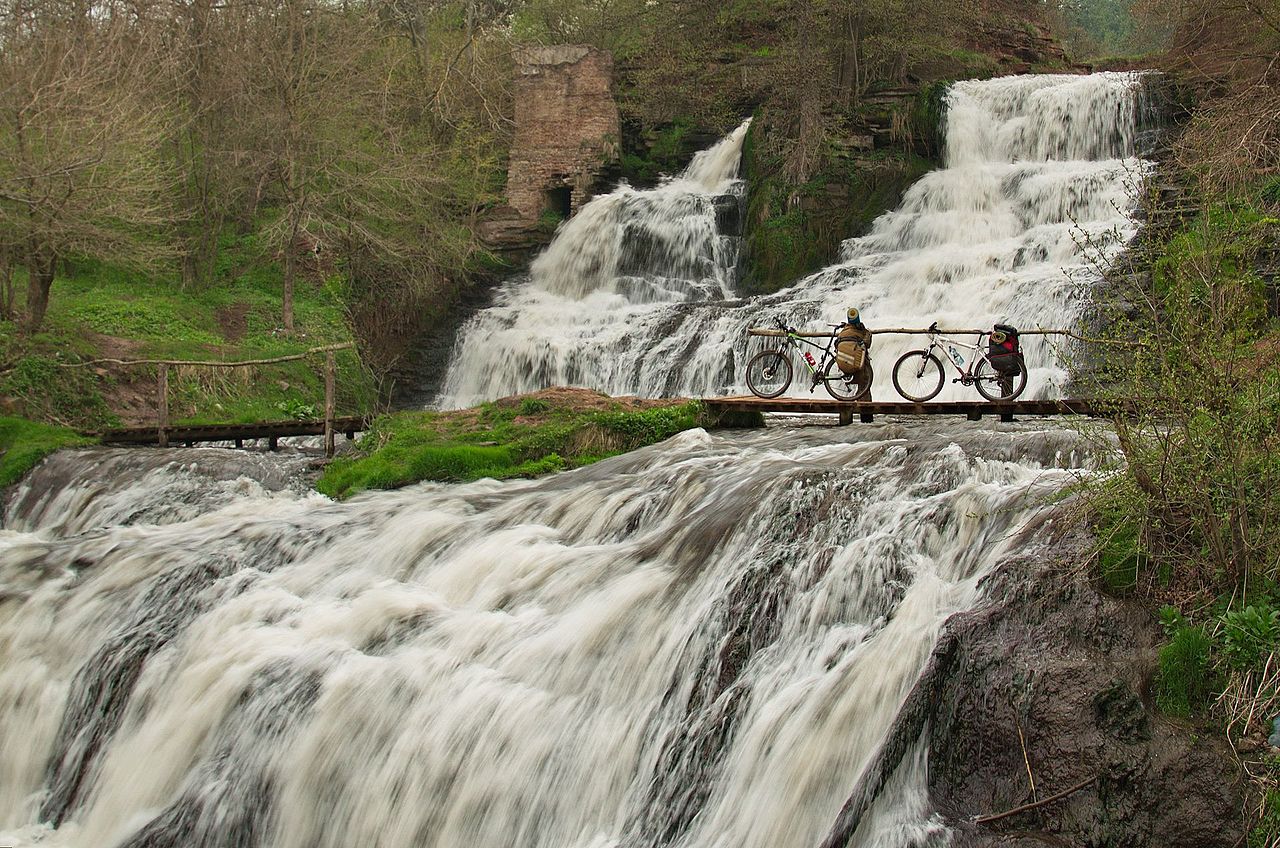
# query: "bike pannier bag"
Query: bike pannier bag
{"points": [[1003, 350], [849, 353]]}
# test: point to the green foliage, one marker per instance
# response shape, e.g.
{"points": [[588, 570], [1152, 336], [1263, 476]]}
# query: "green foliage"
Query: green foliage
{"points": [[1201, 492], [549, 220], [533, 406], [100, 310], [24, 443], [1266, 833], [1184, 681], [1094, 28], [1250, 635], [39, 386], [501, 440], [1121, 558], [794, 230], [648, 425], [299, 409], [1270, 192]]}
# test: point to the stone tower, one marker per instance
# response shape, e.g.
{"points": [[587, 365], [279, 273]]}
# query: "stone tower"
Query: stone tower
{"points": [[567, 128]]}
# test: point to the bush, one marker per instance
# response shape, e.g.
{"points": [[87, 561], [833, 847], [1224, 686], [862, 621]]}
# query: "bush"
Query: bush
{"points": [[1250, 635]]}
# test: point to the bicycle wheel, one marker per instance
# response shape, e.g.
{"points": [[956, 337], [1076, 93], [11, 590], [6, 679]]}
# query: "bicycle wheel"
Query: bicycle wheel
{"points": [[997, 386], [918, 375], [769, 373], [847, 387]]}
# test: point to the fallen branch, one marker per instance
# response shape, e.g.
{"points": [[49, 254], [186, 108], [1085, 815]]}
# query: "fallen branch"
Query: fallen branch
{"points": [[1055, 797]]}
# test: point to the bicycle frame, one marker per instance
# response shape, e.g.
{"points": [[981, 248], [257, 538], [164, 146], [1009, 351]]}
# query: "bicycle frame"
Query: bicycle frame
{"points": [[817, 370], [966, 375]]}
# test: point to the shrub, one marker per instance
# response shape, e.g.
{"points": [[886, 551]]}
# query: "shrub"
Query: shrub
{"points": [[1249, 635]]}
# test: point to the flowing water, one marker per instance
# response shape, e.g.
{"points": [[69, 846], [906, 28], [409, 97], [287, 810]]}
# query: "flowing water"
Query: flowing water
{"points": [[1036, 193], [702, 643]]}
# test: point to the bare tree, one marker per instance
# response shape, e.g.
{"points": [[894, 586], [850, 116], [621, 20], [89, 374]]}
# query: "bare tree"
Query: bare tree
{"points": [[79, 172]]}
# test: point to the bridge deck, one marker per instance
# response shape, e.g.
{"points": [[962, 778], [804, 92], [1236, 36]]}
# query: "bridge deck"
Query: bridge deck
{"points": [[238, 433], [733, 411]]}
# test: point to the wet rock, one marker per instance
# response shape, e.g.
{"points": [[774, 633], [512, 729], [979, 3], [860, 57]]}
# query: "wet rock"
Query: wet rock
{"points": [[1054, 678], [728, 214]]}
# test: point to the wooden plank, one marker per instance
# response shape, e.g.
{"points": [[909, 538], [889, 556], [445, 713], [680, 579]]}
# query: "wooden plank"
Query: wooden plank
{"points": [[971, 409], [229, 432]]}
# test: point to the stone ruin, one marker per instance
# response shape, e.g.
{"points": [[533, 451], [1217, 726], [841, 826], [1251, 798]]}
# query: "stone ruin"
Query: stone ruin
{"points": [[567, 128]]}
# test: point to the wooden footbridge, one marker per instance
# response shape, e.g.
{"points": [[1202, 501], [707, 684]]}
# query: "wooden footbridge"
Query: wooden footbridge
{"points": [[747, 410], [741, 411], [238, 434]]}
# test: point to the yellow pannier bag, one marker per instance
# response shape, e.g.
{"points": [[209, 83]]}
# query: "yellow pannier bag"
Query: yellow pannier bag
{"points": [[849, 353]]}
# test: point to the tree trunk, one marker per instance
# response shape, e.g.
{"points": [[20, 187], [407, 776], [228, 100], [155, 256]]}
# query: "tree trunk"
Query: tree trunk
{"points": [[39, 281], [6, 284], [287, 300]]}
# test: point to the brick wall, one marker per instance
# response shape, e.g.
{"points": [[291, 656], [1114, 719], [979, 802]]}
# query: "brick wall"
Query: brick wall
{"points": [[567, 126]]}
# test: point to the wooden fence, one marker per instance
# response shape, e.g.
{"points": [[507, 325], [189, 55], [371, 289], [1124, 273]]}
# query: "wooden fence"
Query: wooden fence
{"points": [[163, 424]]}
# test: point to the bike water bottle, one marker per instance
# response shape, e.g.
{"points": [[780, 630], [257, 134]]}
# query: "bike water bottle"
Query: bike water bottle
{"points": [[955, 354], [808, 357]]}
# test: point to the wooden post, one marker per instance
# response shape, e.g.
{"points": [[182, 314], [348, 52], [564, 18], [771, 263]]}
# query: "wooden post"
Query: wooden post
{"points": [[866, 417], [975, 415], [846, 416], [330, 384], [162, 400]]}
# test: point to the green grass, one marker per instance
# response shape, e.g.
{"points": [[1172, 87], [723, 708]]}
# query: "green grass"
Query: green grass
{"points": [[96, 309], [513, 438], [24, 443], [1184, 682]]}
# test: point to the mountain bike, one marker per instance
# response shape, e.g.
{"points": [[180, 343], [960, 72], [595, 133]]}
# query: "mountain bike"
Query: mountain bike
{"points": [[918, 374], [769, 372]]}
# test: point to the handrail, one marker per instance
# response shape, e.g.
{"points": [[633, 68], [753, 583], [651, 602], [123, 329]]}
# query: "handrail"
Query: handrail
{"points": [[762, 331], [163, 427], [293, 357]]}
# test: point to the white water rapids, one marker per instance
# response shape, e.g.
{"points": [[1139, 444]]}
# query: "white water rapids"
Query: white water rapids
{"points": [[702, 643], [1036, 194]]}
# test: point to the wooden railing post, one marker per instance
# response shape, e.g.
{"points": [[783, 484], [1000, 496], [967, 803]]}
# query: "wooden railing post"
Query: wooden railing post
{"points": [[162, 402], [330, 386]]}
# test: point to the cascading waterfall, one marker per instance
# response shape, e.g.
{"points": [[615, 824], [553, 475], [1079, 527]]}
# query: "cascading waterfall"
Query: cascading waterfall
{"points": [[701, 643], [1036, 195]]}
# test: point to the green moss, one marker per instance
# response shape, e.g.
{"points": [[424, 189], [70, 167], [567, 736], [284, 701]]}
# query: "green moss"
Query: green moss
{"points": [[24, 443], [522, 438], [793, 230]]}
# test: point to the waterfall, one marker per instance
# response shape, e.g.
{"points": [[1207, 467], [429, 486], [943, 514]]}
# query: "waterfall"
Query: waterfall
{"points": [[702, 643], [1036, 195]]}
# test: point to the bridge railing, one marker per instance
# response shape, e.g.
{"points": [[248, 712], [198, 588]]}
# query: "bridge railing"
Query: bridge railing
{"points": [[163, 424], [920, 331]]}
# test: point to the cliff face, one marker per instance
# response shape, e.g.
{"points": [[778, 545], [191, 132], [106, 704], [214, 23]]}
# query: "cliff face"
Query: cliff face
{"points": [[1051, 683]]}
